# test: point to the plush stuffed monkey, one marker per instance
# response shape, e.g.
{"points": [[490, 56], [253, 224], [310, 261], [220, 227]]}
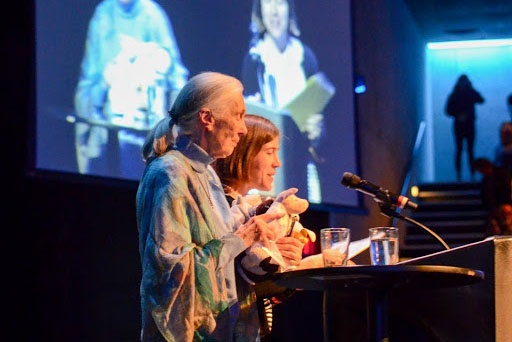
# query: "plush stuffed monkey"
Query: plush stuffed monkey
{"points": [[259, 259]]}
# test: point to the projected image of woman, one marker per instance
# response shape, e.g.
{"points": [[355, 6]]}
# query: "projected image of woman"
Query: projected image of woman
{"points": [[130, 70], [278, 64]]}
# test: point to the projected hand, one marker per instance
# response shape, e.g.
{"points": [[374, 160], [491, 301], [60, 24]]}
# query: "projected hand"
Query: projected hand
{"points": [[314, 126], [113, 72], [130, 46]]}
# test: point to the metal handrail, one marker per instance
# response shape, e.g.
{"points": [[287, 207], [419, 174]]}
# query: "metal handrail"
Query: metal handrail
{"points": [[408, 173]]}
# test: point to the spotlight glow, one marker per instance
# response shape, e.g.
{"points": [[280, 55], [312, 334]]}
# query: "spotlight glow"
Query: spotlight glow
{"points": [[467, 44], [415, 191]]}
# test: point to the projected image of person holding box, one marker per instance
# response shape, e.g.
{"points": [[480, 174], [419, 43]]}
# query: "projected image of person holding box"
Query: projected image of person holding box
{"points": [[282, 73], [130, 69]]}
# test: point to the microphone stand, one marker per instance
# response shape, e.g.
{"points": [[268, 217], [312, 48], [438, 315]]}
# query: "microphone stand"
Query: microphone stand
{"points": [[388, 210]]}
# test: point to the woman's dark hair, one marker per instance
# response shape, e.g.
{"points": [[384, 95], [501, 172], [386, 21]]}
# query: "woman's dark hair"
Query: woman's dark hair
{"points": [[234, 169], [463, 84]]}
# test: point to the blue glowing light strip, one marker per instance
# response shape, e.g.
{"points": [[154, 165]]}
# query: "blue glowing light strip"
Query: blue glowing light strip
{"points": [[464, 44], [360, 89]]}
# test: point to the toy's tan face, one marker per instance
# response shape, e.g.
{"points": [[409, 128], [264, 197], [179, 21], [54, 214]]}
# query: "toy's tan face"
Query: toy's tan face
{"points": [[295, 205]]}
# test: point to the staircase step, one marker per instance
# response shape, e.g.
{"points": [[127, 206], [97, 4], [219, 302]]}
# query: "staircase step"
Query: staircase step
{"points": [[461, 214], [443, 198], [417, 251], [421, 234], [455, 237], [460, 223], [449, 194], [454, 211], [436, 246], [433, 247], [415, 230], [449, 186], [454, 205], [452, 201]]}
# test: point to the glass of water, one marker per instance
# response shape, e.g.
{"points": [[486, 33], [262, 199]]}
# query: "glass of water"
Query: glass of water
{"points": [[334, 243], [384, 245]]}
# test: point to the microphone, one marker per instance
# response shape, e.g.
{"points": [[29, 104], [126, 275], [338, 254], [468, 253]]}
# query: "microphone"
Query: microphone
{"points": [[379, 194]]}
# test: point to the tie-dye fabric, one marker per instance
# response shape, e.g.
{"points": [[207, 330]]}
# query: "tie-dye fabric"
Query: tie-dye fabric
{"points": [[187, 247]]}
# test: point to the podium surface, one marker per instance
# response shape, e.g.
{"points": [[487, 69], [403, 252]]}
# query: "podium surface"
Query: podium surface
{"points": [[381, 277], [376, 282]]}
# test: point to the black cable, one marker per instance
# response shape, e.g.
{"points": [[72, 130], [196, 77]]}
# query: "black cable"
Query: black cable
{"points": [[387, 210]]}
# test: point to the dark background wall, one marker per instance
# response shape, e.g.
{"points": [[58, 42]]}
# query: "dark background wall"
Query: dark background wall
{"points": [[389, 53], [71, 263]]}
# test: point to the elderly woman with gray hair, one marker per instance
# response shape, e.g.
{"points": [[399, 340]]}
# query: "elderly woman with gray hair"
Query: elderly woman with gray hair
{"points": [[188, 237]]}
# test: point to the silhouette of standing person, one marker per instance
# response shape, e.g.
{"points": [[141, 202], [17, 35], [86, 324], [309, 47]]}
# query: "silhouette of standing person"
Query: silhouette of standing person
{"points": [[461, 105]]}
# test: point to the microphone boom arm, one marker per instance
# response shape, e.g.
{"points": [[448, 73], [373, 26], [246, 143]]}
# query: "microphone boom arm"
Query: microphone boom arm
{"points": [[388, 210]]}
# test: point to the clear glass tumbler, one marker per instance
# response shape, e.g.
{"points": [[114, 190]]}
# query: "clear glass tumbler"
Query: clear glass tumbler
{"points": [[334, 243]]}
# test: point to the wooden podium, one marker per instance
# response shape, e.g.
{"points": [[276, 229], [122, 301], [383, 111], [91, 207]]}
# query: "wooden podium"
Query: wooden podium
{"points": [[481, 312], [377, 283], [478, 312]]}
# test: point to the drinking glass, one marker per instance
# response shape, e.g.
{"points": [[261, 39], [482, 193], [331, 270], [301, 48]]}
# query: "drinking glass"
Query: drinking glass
{"points": [[384, 245], [334, 244]]}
